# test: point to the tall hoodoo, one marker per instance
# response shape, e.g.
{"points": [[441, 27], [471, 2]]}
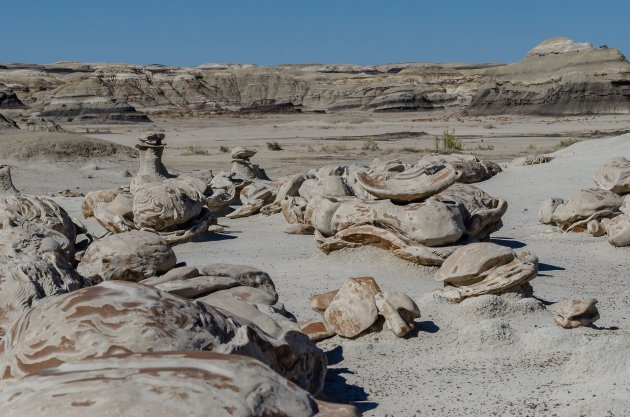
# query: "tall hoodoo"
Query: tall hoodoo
{"points": [[151, 149]]}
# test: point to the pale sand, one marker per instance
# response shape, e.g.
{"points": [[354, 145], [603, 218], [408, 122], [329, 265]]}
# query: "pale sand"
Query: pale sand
{"points": [[479, 358]]}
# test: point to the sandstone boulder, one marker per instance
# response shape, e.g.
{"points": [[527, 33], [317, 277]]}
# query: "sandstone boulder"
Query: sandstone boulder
{"points": [[584, 206], [399, 311], [469, 262], [471, 168], [129, 256], [614, 176], [353, 308], [415, 184], [575, 313], [121, 317], [163, 384], [420, 232], [481, 212], [486, 269]]}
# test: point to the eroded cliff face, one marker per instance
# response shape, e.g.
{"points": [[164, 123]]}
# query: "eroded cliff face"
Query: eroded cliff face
{"points": [[557, 77]]}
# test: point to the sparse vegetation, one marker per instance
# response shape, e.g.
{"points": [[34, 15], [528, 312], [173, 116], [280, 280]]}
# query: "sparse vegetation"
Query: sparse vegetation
{"points": [[410, 149], [484, 148], [224, 149], [531, 147], [370, 145], [274, 146], [448, 143], [567, 142], [195, 150]]}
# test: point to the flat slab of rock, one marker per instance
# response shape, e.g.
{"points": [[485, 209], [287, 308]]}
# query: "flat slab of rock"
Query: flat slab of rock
{"points": [[197, 286], [316, 329], [468, 263], [245, 294]]}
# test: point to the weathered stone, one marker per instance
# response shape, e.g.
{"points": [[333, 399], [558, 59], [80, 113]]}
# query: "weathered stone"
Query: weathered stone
{"points": [[246, 275], [584, 206], [249, 295], [316, 329], [618, 230], [614, 176], [320, 302], [468, 264], [121, 317], [497, 278], [575, 313], [293, 209], [28, 278], [243, 153], [545, 214], [353, 309], [196, 287], [415, 184], [175, 274], [418, 232], [471, 168], [130, 256], [162, 385], [481, 212], [333, 186], [399, 311]]}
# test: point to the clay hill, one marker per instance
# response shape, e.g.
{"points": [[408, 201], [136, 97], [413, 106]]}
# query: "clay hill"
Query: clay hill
{"points": [[557, 77]]}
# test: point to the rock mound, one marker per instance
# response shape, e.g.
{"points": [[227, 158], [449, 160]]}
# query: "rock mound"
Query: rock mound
{"points": [[557, 77]]}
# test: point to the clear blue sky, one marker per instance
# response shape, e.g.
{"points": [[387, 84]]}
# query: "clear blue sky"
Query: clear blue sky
{"points": [[266, 32]]}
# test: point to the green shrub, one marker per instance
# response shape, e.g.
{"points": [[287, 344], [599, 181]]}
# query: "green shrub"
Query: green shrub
{"points": [[195, 150], [567, 142], [448, 143], [370, 145], [273, 146]]}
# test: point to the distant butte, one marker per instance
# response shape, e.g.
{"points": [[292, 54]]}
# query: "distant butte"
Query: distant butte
{"points": [[557, 77]]}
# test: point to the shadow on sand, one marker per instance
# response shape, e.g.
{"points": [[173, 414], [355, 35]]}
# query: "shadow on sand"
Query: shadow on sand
{"points": [[509, 242], [337, 388]]}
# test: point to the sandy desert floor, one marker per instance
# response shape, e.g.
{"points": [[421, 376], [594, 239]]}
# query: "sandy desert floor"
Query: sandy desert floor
{"points": [[487, 356]]}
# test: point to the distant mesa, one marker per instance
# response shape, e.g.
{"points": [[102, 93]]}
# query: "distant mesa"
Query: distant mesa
{"points": [[557, 77], [560, 45], [94, 109]]}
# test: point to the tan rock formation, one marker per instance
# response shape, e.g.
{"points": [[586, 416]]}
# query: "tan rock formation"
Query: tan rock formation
{"points": [[614, 176], [163, 385], [485, 268], [353, 308], [575, 313], [121, 317], [128, 256]]}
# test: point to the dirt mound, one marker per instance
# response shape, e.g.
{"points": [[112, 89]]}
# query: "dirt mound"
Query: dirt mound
{"points": [[58, 146]]}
